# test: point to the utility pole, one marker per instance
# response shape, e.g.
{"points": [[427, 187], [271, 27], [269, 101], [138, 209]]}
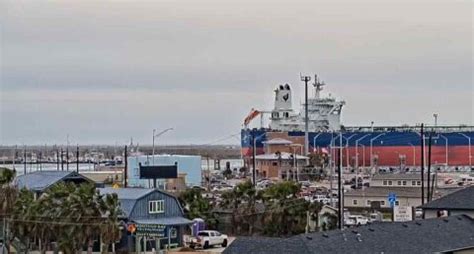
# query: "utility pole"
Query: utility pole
{"points": [[339, 184], [422, 165], [125, 159], [306, 79], [254, 154], [67, 153], [429, 168], [77, 158], [24, 160], [57, 158], [62, 161]]}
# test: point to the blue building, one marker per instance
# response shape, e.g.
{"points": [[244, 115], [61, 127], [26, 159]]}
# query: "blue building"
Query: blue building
{"points": [[187, 164], [155, 217]]}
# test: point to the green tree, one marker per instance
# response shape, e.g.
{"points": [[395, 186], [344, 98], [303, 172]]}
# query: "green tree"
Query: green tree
{"points": [[286, 213], [72, 215], [196, 206], [242, 200]]}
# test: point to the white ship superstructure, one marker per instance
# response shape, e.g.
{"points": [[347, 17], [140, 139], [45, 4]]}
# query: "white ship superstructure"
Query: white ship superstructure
{"points": [[324, 113]]}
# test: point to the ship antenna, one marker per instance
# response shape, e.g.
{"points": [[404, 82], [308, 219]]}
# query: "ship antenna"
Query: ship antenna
{"points": [[318, 85]]}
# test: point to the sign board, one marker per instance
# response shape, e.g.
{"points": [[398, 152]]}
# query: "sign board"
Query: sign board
{"points": [[402, 213], [392, 198], [159, 172], [155, 230]]}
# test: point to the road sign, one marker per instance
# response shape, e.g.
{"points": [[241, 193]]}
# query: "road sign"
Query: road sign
{"points": [[392, 198]]}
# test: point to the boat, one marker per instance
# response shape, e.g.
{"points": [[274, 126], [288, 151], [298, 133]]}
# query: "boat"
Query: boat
{"points": [[362, 146]]}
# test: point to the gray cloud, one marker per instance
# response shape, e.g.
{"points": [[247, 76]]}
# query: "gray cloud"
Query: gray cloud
{"points": [[201, 65]]}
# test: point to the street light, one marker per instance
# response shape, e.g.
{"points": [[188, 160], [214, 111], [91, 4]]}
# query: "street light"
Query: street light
{"points": [[446, 140], [371, 148], [414, 153], [470, 155], [155, 136], [314, 140]]}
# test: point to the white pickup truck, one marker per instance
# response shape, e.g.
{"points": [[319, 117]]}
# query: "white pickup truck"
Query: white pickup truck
{"points": [[208, 238]]}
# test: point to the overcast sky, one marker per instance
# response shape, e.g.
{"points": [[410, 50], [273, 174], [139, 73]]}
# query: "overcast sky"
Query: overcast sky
{"points": [[105, 71]]}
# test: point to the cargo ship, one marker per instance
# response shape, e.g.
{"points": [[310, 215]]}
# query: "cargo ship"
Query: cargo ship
{"points": [[362, 146]]}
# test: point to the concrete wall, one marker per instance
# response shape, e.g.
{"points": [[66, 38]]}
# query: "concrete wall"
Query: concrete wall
{"points": [[362, 201], [191, 165]]}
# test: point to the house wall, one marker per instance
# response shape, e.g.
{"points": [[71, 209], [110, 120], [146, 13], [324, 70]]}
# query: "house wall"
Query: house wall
{"points": [[141, 209], [190, 165], [414, 183], [271, 168], [362, 201], [434, 213]]}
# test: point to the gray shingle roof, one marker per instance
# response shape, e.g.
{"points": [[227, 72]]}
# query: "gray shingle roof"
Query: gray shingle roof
{"points": [[425, 236], [459, 200], [41, 180]]}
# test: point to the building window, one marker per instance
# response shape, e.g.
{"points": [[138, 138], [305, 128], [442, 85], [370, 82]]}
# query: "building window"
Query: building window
{"points": [[173, 233], [156, 206], [384, 182], [413, 183], [354, 202], [399, 183], [418, 183], [368, 202], [275, 163], [397, 203], [389, 182], [404, 183], [382, 202]]}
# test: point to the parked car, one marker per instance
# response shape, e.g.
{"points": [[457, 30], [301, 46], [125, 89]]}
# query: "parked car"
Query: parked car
{"points": [[355, 220], [208, 238]]}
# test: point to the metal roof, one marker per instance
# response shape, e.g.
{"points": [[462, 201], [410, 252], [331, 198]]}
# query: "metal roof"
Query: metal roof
{"points": [[41, 180], [277, 141], [284, 156], [459, 200], [165, 221], [421, 236], [398, 176], [128, 197]]}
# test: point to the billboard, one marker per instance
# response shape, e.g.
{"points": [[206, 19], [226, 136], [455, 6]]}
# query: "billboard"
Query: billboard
{"points": [[159, 172]]}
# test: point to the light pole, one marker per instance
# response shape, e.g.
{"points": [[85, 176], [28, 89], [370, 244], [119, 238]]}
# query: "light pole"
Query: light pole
{"points": [[156, 136], [347, 149], [314, 139], [446, 140], [306, 79], [414, 153], [371, 148], [357, 149], [470, 155]]}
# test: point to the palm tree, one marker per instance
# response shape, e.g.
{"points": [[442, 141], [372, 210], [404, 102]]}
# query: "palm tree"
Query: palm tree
{"points": [[110, 231]]}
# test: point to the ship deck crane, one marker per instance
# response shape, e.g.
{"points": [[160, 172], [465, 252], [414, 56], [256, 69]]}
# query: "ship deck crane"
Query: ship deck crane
{"points": [[253, 114]]}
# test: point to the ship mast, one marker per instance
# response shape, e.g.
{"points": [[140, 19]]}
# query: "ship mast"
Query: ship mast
{"points": [[318, 85]]}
